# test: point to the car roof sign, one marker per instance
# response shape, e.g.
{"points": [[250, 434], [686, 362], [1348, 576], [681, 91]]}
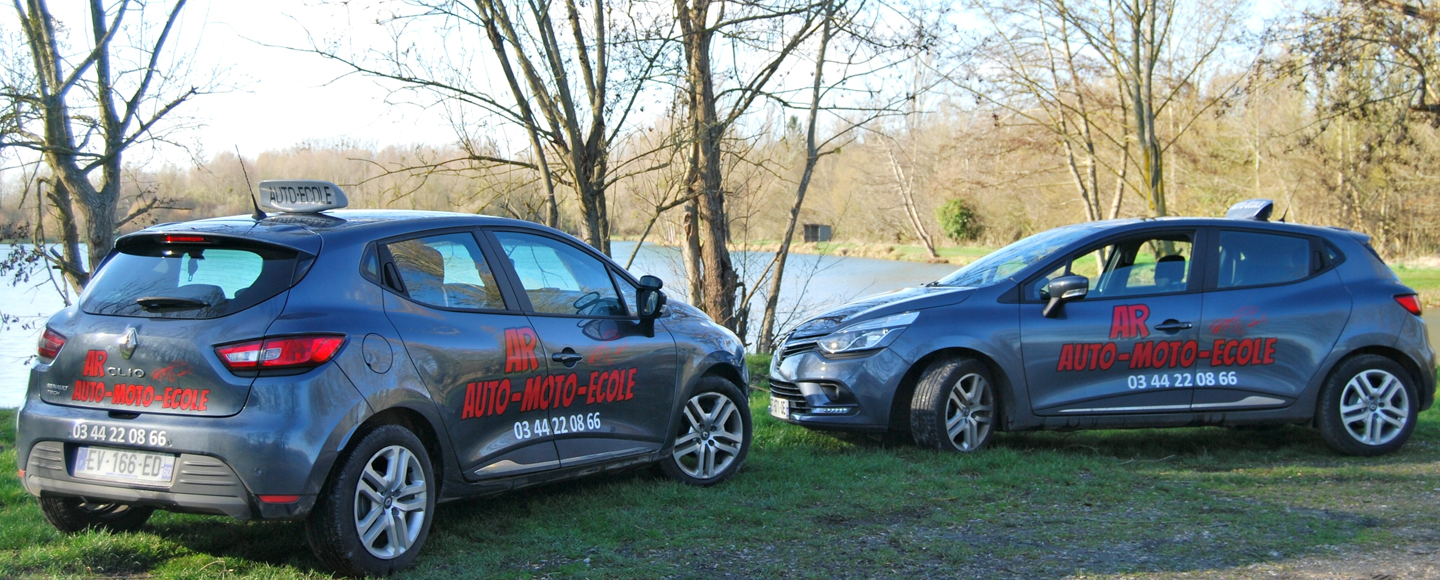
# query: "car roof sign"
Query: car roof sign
{"points": [[301, 196], [1251, 209]]}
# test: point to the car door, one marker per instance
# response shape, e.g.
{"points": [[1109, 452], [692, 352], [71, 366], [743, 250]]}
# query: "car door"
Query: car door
{"points": [[474, 349], [1130, 345], [1273, 311], [611, 385]]}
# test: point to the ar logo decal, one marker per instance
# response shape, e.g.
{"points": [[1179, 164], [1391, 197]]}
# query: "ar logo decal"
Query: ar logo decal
{"points": [[1128, 321]]}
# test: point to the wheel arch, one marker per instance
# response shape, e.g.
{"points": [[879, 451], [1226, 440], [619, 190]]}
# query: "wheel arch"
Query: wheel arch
{"points": [[905, 390], [727, 371], [1411, 368], [414, 421]]}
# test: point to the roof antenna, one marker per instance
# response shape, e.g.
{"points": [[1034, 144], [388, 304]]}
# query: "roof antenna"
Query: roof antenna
{"points": [[1289, 203], [258, 215]]}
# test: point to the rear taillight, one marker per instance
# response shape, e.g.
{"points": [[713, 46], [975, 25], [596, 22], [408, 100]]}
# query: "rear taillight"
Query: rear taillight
{"points": [[288, 352], [1410, 302], [50, 343]]}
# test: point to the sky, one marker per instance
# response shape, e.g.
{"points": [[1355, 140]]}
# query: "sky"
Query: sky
{"points": [[281, 97], [272, 97]]}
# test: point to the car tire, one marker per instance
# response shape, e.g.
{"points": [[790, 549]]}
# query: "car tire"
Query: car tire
{"points": [[955, 406], [383, 487], [73, 514], [1367, 407], [711, 435]]}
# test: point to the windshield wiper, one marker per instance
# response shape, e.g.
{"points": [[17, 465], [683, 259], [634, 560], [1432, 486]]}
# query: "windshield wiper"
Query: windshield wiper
{"points": [[930, 284], [158, 302]]}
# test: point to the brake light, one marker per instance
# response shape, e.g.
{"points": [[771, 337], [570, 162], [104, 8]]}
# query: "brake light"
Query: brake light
{"points": [[50, 343], [279, 498], [184, 239], [289, 352], [1410, 302]]}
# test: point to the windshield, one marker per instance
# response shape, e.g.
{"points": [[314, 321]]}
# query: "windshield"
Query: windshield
{"points": [[1006, 261]]}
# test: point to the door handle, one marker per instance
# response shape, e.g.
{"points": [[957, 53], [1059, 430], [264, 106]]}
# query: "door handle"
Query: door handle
{"points": [[567, 357], [1173, 325]]}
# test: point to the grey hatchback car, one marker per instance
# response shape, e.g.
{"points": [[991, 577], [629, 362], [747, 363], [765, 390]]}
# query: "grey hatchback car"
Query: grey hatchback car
{"points": [[355, 368], [1127, 323]]}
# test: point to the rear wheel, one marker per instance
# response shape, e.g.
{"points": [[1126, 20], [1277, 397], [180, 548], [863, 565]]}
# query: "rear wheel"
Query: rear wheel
{"points": [[374, 514], [954, 406], [712, 435], [73, 514], [1367, 407]]}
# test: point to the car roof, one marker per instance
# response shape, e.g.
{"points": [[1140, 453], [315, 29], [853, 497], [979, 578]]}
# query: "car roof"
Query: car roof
{"points": [[1106, 227], [344, 225]]}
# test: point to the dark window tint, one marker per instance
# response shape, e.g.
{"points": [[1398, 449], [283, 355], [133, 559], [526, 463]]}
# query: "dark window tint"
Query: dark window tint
{"points": [[187, 281], [559, 278], [1158, 264], [370, 264], [447, 271], [1256, 259]]}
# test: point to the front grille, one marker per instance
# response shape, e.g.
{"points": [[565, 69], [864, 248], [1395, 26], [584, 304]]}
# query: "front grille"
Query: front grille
{"points": [[795, 348], [790, 392]]}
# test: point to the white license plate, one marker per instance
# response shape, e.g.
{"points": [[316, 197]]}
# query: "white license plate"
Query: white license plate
{"points": [[780, 407], [123, 465]]}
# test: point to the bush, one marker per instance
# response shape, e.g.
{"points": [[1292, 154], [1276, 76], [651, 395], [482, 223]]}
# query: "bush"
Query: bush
{"points": [[959, 221]]}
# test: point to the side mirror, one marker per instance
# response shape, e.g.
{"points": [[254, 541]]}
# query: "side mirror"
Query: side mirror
{"points": [[1062, 290], [649, 300]]}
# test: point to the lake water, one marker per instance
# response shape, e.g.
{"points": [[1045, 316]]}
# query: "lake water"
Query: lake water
{"points": [[812, 284]]}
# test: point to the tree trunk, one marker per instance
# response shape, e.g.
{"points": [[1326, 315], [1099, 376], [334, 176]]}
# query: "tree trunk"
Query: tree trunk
{"points": [[705, 183], [812, 156]]}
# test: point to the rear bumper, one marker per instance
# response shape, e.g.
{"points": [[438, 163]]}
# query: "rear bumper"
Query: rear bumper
{"points": [[283, 442], [201, 484]]}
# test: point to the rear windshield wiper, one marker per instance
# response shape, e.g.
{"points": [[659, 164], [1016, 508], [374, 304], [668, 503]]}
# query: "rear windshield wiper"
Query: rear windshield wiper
{"points": [[158, 302]]}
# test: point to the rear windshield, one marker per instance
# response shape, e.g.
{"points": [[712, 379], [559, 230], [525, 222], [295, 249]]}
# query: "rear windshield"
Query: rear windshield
{"points": [[188, 281]]}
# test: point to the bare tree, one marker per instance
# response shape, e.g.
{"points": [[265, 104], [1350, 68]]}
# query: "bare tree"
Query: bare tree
{"points": [[1136, 39], [573, 75], [768, 33], [81, 114]]}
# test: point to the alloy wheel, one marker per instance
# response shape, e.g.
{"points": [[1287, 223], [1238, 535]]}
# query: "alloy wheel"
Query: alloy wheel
{"points": [[969, 412], [390, 500], [1374, 407], [713, 437]]}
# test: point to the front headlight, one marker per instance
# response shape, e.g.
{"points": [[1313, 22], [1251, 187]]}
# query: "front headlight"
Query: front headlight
{"points": [[867, 335]]}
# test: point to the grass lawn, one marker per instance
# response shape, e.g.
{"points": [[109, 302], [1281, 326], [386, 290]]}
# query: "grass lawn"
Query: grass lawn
{"points": [[1182, 503]]}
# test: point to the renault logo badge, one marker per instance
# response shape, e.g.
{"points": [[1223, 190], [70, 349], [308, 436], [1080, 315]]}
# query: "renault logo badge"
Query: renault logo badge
{"points": [[129, 342]]}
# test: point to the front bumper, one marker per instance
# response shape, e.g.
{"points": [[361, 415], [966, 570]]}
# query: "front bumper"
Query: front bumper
{"points": [[852, 393]]}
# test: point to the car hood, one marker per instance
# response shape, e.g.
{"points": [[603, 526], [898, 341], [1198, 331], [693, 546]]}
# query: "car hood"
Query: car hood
{"points": [[895, 301]]}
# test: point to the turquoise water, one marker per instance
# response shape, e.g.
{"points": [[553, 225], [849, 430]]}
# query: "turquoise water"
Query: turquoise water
{"points": [[812, 285]]}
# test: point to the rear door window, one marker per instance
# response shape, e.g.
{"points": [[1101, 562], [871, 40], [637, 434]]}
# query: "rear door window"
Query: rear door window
{"points": [[196, 281], [447, 271], [1260, 259]]}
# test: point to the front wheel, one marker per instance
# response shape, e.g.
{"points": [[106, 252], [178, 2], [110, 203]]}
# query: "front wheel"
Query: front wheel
{"points": [[73, 514], [1368, 406], [374, 513], [712, 436], [953, 408]]}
